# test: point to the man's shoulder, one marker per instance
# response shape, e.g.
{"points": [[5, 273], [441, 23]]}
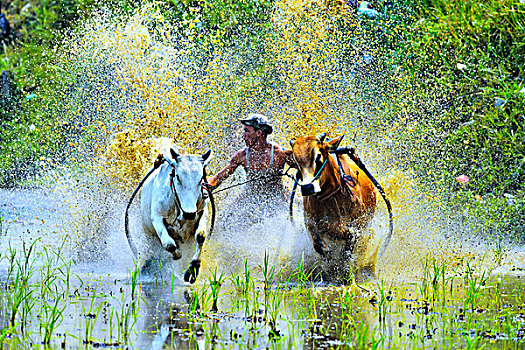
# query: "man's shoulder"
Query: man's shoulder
{"points": [[281, 157], [278, 149], [239, 156]]}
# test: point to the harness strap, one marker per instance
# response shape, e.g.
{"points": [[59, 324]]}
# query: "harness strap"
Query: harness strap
{"points": [[172, 186], [345, 179], [344, 183]]}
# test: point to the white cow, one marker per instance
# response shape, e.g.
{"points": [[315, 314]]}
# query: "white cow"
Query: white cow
{"points": [[172, 206]]}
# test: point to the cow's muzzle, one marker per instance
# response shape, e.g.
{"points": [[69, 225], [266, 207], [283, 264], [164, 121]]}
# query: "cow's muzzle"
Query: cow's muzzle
{"points": [[189, 216], [308, 189]]}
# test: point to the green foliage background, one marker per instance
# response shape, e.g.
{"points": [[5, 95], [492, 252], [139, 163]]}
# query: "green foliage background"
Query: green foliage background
{"points": [[450, 72], [454, 71]]}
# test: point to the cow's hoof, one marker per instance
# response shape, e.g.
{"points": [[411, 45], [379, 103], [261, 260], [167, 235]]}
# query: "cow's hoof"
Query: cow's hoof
{"points": [[192, 272], [172, 249]]}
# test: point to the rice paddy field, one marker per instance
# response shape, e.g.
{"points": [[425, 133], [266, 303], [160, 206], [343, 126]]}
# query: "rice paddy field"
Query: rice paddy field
{"points": [[451, 277]]}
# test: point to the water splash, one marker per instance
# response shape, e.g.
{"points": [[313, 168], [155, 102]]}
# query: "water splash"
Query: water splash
{"points": [[133, 78]]}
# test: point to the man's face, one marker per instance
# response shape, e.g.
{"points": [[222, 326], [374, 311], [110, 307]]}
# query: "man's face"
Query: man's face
{"points": [[251, 135]]}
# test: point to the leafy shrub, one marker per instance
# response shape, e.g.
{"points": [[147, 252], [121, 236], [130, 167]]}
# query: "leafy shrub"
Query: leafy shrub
{"points": [[459, 85]]}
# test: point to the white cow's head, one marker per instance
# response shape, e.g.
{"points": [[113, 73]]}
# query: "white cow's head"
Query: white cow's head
{"points": [[187, 182]]}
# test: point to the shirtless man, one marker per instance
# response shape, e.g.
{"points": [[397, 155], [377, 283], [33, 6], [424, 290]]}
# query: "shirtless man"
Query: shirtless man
{"points": [[263, 162]]}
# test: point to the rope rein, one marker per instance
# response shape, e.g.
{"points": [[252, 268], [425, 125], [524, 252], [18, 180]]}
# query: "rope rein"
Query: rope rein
{"points": [[157, 163], [251, 180]]}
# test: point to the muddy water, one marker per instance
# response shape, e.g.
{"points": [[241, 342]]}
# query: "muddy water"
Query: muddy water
{"points": [[391, 311]]}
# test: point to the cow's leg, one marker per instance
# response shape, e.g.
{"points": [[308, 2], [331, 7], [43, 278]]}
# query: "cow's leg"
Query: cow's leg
{"points": [[172, 231], [319, 244], [167, 242], [193, 270]]}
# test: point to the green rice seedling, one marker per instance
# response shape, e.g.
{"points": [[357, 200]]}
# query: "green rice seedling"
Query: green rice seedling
{"points": [[438, 279], [20, 295], [474, 284], [346, 300], [91, 317], [255, 305], [48, 274], [361, 338], [158, 271], [26, 308], [301, 273], [425, 280], [11, 258], [19, 289], [235, 280], [273, 306], [135, 279], [192, 297], [519, 295], [247, 304], [450, 279], [64, 267], [172, 286], [26, 268], [473, 343], [496, 295], [126, 318], [268, 272], [52, 314], [383, 304], [111, 314], [499, 248], [215, 281], [246, 278]]}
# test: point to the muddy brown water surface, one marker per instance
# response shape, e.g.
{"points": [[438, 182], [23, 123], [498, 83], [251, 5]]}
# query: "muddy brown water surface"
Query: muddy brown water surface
{"points": [[50, 295]]}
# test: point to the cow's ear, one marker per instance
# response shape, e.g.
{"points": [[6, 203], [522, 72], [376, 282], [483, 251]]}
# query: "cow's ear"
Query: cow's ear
{"points": [[321, 137], [206, 157], [333, 144], [174, 154]]}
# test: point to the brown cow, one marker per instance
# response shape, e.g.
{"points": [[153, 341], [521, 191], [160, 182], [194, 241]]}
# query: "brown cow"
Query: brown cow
{"points": [[339, 203]]}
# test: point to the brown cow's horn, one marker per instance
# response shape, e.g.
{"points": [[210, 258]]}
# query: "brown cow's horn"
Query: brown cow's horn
{"points": [[292, 141], [321, 137]]}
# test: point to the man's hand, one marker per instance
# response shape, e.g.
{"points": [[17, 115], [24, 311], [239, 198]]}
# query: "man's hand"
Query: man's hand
{"points": [[212, 183]]}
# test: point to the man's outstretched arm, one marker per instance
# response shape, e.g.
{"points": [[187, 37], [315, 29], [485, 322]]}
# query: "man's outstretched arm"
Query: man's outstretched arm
{"points": [[225, 172]]}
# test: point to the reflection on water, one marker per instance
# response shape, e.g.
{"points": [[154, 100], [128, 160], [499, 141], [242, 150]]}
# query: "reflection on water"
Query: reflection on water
{"points": [[98, 304]]}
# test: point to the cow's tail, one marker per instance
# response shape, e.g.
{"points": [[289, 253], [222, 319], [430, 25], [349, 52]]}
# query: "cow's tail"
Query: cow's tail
{"points": [[351, 153], [158, 162]]}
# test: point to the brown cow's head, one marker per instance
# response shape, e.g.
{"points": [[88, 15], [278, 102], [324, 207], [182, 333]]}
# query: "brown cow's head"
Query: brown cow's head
{"points": [[311, 155]]}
